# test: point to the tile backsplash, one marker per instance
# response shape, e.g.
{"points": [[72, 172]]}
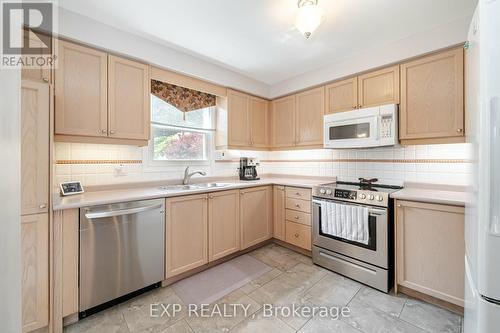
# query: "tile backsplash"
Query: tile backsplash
{"points": [[108, 164]]}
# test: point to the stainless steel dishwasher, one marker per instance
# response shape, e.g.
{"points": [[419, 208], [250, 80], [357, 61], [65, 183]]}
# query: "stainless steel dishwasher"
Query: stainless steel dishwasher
{"points": [[122, 250]]}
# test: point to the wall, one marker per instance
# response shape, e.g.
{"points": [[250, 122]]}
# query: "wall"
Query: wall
{"points": [[441, 164], [10, 236]]}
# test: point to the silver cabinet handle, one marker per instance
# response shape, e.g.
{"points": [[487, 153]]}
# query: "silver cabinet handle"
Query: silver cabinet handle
{"points": [[296, 217], [459, 130], [45, 79], [112, 132], [111, 213], [42, 206], [296, 235], [103, 131], [297, 205]]}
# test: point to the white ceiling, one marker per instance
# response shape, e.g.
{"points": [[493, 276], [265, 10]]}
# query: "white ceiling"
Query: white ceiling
{"points": [[256, 38]]}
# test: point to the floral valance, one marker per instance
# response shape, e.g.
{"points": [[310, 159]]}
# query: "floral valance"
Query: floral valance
{"points": [[182, 98]]}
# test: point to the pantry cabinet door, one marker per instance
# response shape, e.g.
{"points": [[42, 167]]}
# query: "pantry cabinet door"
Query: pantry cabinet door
{"points": [[341, 96], [223, 224], [279, 212], [81, 91], [36, 74], [430, 249], [432, 96], [238, 119], [283, 120], [35, 271], [379, 87], [128, 99], [255, 215], [259, 121], [310, 108], [186, 233], [34, 147]]}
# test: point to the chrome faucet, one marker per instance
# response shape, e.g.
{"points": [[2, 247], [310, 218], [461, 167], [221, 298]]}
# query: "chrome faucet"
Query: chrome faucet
{"points": [[187, 175]]}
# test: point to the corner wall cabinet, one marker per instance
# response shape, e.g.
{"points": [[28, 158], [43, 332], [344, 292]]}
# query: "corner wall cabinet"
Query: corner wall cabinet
{"points": [[430, 250], [432, 99], [100, 98]]}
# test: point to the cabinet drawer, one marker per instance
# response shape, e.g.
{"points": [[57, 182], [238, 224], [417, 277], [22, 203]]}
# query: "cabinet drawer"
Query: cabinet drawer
{"points": [[298, 234], [298, 217], [299, 204], [298, 193]]}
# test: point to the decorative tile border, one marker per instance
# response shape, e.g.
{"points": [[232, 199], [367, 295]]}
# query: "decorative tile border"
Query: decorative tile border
{"points": [[99, 162], [364, 160]]}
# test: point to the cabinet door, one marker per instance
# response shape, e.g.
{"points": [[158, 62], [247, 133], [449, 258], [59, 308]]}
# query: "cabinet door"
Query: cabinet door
{"points": [[379, 87], [283, 119], [128, 99], [259, 121], [430, 249], [238, 119], [35, 271], [255, 215], [279, 212], [432, 96], [36, 74], [342, 96], [81, 92], [34, 147], [186, 233], [223, 224], [310, 106]]}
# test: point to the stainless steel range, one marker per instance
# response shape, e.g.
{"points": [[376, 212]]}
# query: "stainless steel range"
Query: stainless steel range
{"points": [[353, 228]]}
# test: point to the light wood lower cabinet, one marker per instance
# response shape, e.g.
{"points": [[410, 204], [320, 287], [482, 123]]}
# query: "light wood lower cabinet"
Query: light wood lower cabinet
{"points": [[223, 224], [255, 215], [279, 212], [35, 271], [430, 249], [298, 234], [186, 233]]}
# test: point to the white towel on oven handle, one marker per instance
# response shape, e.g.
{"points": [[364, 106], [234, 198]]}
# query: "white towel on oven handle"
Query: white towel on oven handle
{"points": [[345, 221]]}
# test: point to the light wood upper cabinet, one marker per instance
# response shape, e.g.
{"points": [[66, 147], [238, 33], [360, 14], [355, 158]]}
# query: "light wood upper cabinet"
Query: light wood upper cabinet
{"points": [[310, 108], [238, 119], [432, 97], [279, 212], [36, 74], [255, 215], [35, 271], [223, 224], [259, 122], [186, 233], [430, 249], [341, 96], [34, 147], [81, 91], [379, 87], [128, 99], [283, 120]]}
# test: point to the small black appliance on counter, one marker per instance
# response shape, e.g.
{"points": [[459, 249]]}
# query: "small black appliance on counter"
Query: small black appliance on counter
{"points": [[248, 168]]}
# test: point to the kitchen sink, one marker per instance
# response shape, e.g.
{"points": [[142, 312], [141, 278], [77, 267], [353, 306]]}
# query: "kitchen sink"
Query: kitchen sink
{"points": [[179, 187], [212, 185]]}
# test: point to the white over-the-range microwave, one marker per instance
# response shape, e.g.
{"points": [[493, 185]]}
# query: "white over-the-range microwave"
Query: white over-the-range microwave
{"points": [[369, 127]]}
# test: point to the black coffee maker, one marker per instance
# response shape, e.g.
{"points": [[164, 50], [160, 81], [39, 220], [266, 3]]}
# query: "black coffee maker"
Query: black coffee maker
{"points": [[248, 168]]}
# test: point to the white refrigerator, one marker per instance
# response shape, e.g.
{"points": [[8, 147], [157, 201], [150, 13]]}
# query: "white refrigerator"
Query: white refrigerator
{"points": [[482, 226]]}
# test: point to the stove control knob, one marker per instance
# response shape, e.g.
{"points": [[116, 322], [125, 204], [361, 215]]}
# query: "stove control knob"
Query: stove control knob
{"points": [[322, 191], [362, 196], [379, 198], [371, 197], [329, 192]]}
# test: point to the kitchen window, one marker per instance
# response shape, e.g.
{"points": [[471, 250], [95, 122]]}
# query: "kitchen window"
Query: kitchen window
{"points": [[181, 125]]}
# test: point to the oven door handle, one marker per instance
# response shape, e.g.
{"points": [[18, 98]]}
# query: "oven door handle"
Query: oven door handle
{"points": [[371, 211]]}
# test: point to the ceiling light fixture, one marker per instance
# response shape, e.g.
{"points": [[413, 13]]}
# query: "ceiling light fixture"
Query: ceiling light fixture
{"points": [[309, 17]]}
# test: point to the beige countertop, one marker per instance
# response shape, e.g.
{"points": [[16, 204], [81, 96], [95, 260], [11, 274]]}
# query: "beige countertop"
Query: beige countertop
{"points": [[121, 193], [430, 193]]}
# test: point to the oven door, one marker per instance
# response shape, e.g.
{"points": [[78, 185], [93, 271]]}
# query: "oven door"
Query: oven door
{"points": [[375, 253]]}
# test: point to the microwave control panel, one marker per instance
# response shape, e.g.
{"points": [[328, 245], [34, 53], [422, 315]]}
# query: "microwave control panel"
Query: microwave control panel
{"points": [[386, 125]]}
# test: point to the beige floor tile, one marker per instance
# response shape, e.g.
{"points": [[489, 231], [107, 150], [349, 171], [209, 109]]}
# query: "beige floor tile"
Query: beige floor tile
{"points": [[260, 281], [277, 256], [390, 303], [218, 323], [371, 320], [258, 323], [327, 325], [109, 321], [430, 317], [332, 290], [180, 326]]}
